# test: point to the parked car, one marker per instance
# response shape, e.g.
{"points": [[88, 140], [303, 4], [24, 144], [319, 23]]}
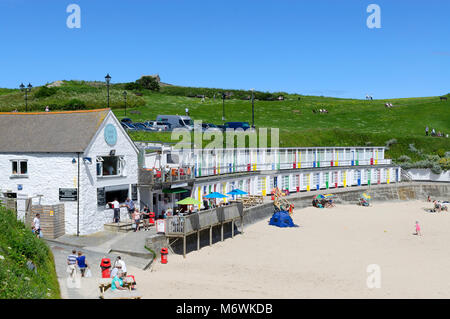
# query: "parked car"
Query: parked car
{"points": [[126, 120], [143, 127], [160, 126], [235, 125], [176, 121], [210, 127], [128, 127]]}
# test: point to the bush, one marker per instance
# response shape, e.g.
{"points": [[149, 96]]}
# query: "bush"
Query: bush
{"points": [[390, 142], [132, 86], [440, 152], [75, 104], [404, 158], [44, 92]]}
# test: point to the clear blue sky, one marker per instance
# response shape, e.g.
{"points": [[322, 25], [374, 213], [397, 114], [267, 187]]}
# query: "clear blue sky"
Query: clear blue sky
{"points": [[315, 47]]}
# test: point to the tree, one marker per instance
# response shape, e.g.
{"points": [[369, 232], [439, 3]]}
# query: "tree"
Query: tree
{"points": [[149, 83]]}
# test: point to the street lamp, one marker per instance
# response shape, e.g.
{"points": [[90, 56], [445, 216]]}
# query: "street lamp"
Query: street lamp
{"points": [[253, 108], [125, 100], [26, 89], [223, 106], [108, 79]]}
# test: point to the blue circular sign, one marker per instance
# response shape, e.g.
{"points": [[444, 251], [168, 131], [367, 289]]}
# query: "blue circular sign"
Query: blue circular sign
{"points": [[110, 134]]}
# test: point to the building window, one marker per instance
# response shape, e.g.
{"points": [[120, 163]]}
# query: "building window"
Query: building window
{"points": [[110, 165], [19, 167]]}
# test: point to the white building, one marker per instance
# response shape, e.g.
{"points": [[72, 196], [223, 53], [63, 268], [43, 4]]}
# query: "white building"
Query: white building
{"points": [[60, 155]]}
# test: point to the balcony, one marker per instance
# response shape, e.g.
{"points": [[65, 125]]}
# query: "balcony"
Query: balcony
{"points": [[158, 177]]}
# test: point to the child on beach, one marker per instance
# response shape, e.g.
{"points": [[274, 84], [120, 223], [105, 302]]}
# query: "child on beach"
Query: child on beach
{"points": [[418, 229]]}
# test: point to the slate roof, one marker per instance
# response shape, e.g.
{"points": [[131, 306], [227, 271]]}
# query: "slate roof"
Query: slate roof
{"points": [[54, 132]]}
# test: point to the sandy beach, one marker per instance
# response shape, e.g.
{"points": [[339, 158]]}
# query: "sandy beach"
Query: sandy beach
{"points": [[326, 257]]}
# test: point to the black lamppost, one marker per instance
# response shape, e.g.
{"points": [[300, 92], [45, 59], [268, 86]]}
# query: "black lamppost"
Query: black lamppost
{"points": [[253, 108], [108, 79], [26, 89], [125, 100], [223, 106]]}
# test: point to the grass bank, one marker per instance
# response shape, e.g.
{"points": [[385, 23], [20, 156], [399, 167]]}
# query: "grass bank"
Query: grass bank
{"points": [[19, 248]]}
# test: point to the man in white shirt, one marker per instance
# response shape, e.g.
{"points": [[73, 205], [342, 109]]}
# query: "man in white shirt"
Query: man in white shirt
{"points": [[116, 206], [120, 262], [187, 111], [37, 225]]}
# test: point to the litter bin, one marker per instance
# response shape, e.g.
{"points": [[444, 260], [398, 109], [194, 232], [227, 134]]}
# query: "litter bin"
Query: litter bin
{"points": [[105, 265], [164, 252]]}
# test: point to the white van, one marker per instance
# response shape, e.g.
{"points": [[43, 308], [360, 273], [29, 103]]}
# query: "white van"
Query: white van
{"points": [[176, 121]]}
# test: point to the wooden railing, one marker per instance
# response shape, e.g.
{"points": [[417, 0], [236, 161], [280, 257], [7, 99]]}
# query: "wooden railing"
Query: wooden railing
{"points": [[151, 176], [182, 225]]}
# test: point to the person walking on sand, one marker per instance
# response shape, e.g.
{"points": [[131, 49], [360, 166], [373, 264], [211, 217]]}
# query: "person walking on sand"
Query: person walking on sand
{"points": [[418, 229]]}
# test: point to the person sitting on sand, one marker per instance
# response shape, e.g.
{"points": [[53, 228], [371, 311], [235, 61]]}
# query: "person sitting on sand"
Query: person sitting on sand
{"points": [[418, 229], [363, 202], [437, 206]]}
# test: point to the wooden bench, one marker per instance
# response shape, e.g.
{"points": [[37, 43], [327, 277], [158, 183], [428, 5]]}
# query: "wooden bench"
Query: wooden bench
{"points": [[121, 294], [105, 283]]}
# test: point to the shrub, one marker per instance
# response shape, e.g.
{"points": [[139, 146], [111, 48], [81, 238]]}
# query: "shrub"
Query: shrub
{"points": [[75, 104], [404, 158], [44, 92], [390, 142], [131, 86], [440, 152]]}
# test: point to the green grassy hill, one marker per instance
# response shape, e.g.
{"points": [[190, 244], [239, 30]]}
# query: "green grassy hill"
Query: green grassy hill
{"points": [[17, 247], [349, 121]]}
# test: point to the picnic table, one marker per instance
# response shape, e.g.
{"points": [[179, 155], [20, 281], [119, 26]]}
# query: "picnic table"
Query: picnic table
{"points": [[105, 293]]}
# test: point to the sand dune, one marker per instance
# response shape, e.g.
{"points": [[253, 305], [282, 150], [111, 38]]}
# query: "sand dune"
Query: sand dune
{"points": [[326, 257]]}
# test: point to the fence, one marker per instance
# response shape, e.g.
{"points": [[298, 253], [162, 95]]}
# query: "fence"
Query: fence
{"points": [[9, 203], [52, 219], [231, 168], [178, 225]]}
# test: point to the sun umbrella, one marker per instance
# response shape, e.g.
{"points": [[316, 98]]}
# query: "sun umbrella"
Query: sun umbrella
{"points": [[328, 195], [320, 196], [188, 201], [215, 195], [237, 191], [366, 196]]}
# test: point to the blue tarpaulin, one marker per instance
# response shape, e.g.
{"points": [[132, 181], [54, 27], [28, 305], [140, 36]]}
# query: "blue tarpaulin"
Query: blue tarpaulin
{"points": [[282, 219]]}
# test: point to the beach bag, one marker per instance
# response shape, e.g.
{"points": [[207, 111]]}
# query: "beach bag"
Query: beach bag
{"points": [[88, 273]]}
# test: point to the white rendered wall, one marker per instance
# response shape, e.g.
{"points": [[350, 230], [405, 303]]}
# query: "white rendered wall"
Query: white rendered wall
{"points": [[48, 172], [419, 174]]}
